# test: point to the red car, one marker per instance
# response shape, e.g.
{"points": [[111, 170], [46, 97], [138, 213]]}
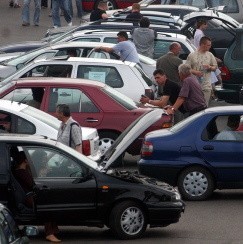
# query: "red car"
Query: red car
{"points": [[92, 104]]}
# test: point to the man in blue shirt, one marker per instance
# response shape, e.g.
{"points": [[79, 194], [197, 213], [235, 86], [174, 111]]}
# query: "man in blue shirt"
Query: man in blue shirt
{"points": [[125, 48]]}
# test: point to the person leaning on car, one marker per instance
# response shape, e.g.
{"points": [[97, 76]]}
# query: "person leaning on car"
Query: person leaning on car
{"points": [[69, 132], [191, 95], [171, 91]]}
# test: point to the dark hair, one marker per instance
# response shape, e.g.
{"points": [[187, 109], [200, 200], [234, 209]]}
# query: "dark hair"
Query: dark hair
{"points": [[64, 109], [204, 39], [144, 22], [159, 71], [201, 22], [123, 34], [37, 93], [20, 157], [233, 120]]}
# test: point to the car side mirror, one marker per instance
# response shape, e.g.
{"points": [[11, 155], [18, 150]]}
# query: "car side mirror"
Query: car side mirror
{"points": [[19, 66]]}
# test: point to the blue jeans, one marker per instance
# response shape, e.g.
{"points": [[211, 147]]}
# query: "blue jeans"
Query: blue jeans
{"points": [[26, 11], [64, 5], [79, 8]]}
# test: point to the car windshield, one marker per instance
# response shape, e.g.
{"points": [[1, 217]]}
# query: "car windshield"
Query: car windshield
{"points": [[179, 126], [125, 101], [42, 116]]}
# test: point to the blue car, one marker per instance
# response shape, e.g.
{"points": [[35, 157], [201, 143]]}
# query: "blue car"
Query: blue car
{"points": [[200, 154]]}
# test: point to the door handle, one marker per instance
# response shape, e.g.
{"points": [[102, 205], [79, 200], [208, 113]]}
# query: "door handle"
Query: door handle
{"points": [[91, 120], [208, 147]]}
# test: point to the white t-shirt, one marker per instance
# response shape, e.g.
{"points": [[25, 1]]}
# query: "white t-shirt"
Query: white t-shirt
{"points": [[197, 37]]}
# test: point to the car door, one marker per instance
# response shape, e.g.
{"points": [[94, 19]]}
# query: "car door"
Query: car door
{"points": [[65, 187], [82, 108], [224, 156]]}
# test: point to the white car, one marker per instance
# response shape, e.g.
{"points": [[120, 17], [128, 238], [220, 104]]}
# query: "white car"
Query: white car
{"points": [[82, 49], [28, 120], [126, 77]]}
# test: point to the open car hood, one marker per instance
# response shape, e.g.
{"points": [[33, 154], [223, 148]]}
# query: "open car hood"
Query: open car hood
{"points": [[128, 136]]}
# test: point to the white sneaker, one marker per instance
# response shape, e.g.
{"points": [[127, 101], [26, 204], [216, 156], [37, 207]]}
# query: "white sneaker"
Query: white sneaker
{"points": [[70, 24], [55, 26]]}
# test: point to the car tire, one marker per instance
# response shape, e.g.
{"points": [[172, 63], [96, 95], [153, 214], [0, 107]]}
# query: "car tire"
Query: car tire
{"points": [[128, 220], [195, 184], [107, 138], [110, 4]]}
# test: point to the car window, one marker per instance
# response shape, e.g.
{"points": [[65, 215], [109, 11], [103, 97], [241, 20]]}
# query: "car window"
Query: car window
{"points": [[50, 164], [24, 127], [105, 74], [74, 98], [237, 53], [110, 40], [83, 39], [66, 51]]}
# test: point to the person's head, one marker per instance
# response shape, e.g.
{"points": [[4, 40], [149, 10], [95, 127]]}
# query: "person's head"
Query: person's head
{"points": [[160, 76], [202, 24], [136, 7], [37, 93], [144, 22], [175, 48], [72, 52], [184, 71], [6, 123], [205, 44], [122, 36], [63, 112], [103, 5], [21, 160], [233, 121]]}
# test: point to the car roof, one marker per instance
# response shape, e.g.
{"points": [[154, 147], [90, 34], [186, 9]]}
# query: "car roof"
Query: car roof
{"points": [[38, 81], [10, 106], [224, 109]]}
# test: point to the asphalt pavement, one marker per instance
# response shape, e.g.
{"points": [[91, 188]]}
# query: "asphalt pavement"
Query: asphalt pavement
{"points": [[12, 31]]}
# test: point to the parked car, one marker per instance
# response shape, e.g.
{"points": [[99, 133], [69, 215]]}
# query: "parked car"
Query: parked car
{"points": [[126, 77], [161, 45], [233, 8], [9, 230], [81, 49], [92, 104], [232, 74], [90, 193], [24, 119], [188, 155]]}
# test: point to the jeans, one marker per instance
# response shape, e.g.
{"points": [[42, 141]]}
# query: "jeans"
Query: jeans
{"points": [[79, 8], [64, 5], [26, 11]]}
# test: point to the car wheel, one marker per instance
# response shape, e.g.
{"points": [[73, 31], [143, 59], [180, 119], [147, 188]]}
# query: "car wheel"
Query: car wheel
{"points": [[195, 183], [106, 140], [128, 220], [110, 4]]}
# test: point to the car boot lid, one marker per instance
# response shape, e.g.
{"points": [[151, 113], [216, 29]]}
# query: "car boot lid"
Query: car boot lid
{"points": [[128, 136]]}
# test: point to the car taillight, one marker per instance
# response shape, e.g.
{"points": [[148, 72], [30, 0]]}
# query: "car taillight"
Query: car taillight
{"points": [[149, 93], [167, 125], [86, 147], [225, 73], [147, 149]]}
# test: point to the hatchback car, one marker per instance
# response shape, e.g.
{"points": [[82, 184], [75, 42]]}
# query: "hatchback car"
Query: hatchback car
{"points": [[190, 155], [79, 191], [92, 104], [126, 77], [23, 119]]}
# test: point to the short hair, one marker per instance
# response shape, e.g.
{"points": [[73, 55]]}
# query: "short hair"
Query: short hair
{"points": [[233, 120], [173, 45], [204, 39], [201, 22], [144, 22], [64, 109], [123, 34], [158, 71], [136, 6], [20, 157], [102, 3], [184, 69]]}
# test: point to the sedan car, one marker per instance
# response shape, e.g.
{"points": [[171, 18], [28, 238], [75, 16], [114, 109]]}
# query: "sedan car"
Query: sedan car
{"points": [[23, 119], [78, 191], [126, 77], [9, 230], [92, 104], [190, 155]]}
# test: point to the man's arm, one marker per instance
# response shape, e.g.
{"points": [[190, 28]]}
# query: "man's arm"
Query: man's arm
{"points": [[172, 109], [79, 148], [105, 49], [160, 103]]}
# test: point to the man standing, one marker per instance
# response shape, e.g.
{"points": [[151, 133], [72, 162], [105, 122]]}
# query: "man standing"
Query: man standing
{"points": [[64, 5], [26, 12], [124, 47], [143, 38], [170, 94], [100, 12], [170, 62], [202, 62], [191, 95], [135, 15], [69, 132]]}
